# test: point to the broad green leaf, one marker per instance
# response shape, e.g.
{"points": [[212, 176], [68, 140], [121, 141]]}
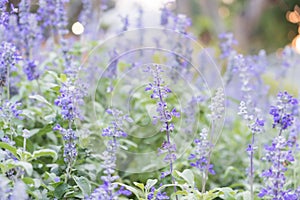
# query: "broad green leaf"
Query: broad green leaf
{"points": [[60, 190], [45, 152], [227, 193], [83, 184], [10, 148], [40, 99], [20, 142], [187, 175], [28, 181], [150, 183], [63, 77], [140, 185], [45, 130], [25, 165]]}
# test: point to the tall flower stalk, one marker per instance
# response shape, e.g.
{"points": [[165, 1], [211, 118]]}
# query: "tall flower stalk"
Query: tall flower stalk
{"points": [[217, 109], [29, 33], [279, 154], [70, 98], [108, 190], [248, 109], [8, 60], [159, 93]]}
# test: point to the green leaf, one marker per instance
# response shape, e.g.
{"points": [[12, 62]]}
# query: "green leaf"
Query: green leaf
{"points": [[227, 193], [25, 165], [55, 88], [60, 190], [63, 77], [28, 181], [181, 192], [83, 184], [187, 175], [45, 152], [140, 185], [20, 142], [150, 183], [45, 130], [40, 99], [10, 148]]}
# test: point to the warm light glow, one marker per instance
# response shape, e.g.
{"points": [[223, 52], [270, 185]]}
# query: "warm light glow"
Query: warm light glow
{"points": [[77, 28], [223, 12], [297, 43], [293, 17], [228, 1]]}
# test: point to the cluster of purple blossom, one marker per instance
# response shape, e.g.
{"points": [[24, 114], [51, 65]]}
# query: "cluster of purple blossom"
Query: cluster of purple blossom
{"points": [[8, 60], [70, 151], [201, 153], [284, 110], [279, 154], [10, 110], [70, 98], [179, 23], [158, 196]]}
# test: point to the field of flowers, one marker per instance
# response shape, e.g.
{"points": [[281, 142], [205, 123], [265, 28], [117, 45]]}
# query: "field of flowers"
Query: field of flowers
{"points": [[139, 112]]}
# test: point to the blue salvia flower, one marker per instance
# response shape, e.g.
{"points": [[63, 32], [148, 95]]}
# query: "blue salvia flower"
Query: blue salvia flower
{"points": [[201, 153], [181, 23], [19, 191], [111, 71], [164, 16], [61, 17], [46, 14], [3, 14], [10, 110], [29, 34], [71, 97], [159, 93], [140, 17], [125, 22], [217, 106], [27, 29], [86, 11], [8, 60], [159, 195], [7, 192], [61, 26], [104, 5], [30, 69], [282, 112], [108, 190], [70, 151], [278, 154], [247, 108], [226, 44]]}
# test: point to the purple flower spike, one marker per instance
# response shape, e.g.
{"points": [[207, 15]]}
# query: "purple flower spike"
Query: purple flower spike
{"points": [[279, 153]]}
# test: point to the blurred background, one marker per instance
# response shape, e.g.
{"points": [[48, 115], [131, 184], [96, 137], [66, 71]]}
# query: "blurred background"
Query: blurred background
{"points": [[256, 24]]}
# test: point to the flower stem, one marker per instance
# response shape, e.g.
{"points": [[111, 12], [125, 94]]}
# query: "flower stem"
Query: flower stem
{"points": [[252, 167], [205, 175]]}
